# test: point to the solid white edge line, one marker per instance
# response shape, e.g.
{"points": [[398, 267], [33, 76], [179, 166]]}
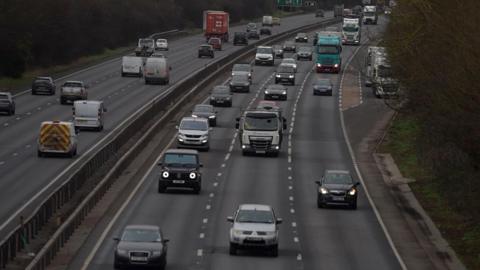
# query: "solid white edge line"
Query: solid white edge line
{"points": [[357, 170]]}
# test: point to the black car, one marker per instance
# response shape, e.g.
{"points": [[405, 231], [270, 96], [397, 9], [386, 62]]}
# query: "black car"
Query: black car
{"points": [[278, 51], [265, 31], [337, 188], [285, 74], [180, 168], [301, 37], [205, 111], [141, 245], [240, 83], [289, 46], [7, 104], [240, 38], [319, 13], [43, 85], [221, 95], [205, 50], [323, 87], [253, 34], [305, 52], [275, 91]]}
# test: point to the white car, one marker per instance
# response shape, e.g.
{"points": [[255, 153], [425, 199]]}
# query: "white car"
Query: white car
{"points": [[254, 226], [193, 133], [161, 44], [289, 62]]}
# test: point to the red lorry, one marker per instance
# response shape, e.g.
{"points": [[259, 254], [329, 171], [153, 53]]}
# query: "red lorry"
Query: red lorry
{"points": [[216, 24]]}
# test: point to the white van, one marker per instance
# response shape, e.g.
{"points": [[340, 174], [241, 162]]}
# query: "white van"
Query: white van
{"points": [[132, 65], [88, 114], [267, 21], [157, 70]]}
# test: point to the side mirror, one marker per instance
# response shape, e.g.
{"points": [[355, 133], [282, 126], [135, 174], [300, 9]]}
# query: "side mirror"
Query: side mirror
{"points": [[357, 184], [230, 219], [116, 239], [279, 221], [160, 163], [318, 182], [200, 165], [165, 241]]}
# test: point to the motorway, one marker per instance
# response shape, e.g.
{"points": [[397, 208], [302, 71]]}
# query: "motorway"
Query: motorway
{"points": [[25, 178], [310, 238]]}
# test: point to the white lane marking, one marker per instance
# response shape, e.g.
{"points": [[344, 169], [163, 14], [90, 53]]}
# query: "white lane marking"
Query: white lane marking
{"points": [[292, 211], [200, 252], [2, 162], [208, 207], [295, 239], [230, 149], [299, 257], [227, 156], [223, 165], [294, 224], [290, 187], [360, 177], [219, 174], [18, 118], [289, 168], [211, 195], [6, 124], [201, 236], [290, 198], [15, 154], [215, 184], [130, 197], [289, 159], [289, 177], [205, 220]]}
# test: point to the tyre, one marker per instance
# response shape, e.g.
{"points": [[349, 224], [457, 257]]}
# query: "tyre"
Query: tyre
{"points": [[34, 92], [353, 206], [319, 203], [146, 81], [62, 101], [233, 249], [230, 104], [331, 93], [161, 188], [123, 74], [197, 189], [39, 153], [100, 128], [274, 251]]}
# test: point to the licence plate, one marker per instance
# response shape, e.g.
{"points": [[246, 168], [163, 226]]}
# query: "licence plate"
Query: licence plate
{"points": [[219, 101], [275, 96], [254, 239], [238, 87], [179, 181], [139, 259], [340, 199], [260, 151]]}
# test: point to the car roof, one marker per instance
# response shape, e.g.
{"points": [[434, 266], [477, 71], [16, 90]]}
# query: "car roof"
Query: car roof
{"points": [[142, 227], [161, 39], [259, 207], [337, 171], [73, 82], [5, 93], [181, 151], [43, 78]]}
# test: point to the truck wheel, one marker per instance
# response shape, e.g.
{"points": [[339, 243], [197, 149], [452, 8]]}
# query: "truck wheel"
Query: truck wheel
{"points": [[233, 249]]}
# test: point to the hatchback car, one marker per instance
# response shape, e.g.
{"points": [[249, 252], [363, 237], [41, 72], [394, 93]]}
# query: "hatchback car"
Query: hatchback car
{"points": [[301, 37], [255, 226], [205, 111], [161, 44], [323, 87], [221, 95], [240, 38], [275, 91], [251, 27], [289, 46], [240, 83], [289, 62], [242, 68], [141, 245], [180, 168], [285, 74], [193, 132], [305, 52], [205, 50], [216, 43], [265, 31], [337, 187], [253, 34], [7, 104], [278, 51], [43, 85]]}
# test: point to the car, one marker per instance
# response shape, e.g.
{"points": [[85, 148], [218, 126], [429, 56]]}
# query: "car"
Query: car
{"points": [[73, 90], [221, 95], [253, 34], [319, 13], [301, 37], [205, 111], [240, 38], [161, 44], [193, 132], [180, 168], [275, 91], [251, 27], [242, 68], [289, 62], [289, 46], [216, 43], [43, 85], [7, 104], [264, 56], [322, 87], [337, 187], [254, 226], [278, 51], [142, 245], [240, 82], [285, 74], [205, 50], [305, 52], [265, 31]]}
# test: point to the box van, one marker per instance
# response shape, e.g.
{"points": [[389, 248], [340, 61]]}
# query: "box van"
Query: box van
{"points": [[132, 65], [157, 70], [267, 21], [88, 114], [57, 137]]}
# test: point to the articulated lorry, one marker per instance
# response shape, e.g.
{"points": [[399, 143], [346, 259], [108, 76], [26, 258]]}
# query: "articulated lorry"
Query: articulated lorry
{"points": [[216, 24], [328, 49]]}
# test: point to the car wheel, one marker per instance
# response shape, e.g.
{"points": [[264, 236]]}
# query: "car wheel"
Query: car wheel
{"points": [[214, 123], [353, 206], [274, 251], [161, 188], [100, 128], [197, 189], [331, 93], [62, 101], [147, 82], [33, 92], [233, 249], [230, 104], [39, 153], [320, 204]]}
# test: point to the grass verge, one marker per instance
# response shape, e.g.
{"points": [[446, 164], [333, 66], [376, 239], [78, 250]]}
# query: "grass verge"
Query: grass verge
{"points": [[459, 230]]}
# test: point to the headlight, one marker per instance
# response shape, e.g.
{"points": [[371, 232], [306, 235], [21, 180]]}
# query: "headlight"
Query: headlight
{"points": [[165, 174], [212, 97], [319, 65], [232, 73], [291, 76], [352, 192], [192, 175], [194, 115], [157, 253], [336, 65], [278, 75], [212, 116], [266, 92], [323, 190], [237, 232], [284, 92], [228, 98]]}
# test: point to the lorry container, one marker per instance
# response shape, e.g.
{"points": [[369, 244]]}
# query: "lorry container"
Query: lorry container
{"points": [[216, 24], [338, 10]]}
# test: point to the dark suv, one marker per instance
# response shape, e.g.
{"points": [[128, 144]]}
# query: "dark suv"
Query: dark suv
{"points": [[180, 168], [337, 188], [43, 85], [205, 50], [240, 38], [7, 104], [285, 74]]}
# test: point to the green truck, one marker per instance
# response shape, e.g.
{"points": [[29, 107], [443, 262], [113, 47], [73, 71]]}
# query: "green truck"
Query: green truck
{"points": [[329, 58]]}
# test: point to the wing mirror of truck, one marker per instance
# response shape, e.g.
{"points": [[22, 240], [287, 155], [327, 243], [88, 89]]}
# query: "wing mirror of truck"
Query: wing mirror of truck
{"points": [[105, 110], [230, 219], [279, 221], [176, 127]]}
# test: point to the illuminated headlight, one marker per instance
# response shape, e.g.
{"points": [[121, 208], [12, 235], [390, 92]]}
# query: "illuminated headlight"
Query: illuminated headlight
{"points": [[278, 75], [356, 41], [237, 232], [284, 92], [212, 116], [194, 115], [271, 233], [323, 190], [212, 98], [335, 66], [291, 76], [244, 146], [233, 73], [277, 147], [165, 174], [352, 192], [192, 175], [319, 65], [266, 92]]}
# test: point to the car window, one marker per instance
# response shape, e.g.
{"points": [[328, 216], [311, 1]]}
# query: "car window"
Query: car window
{"points": [[338, 178], [72, 84], [323, 82], [141, 235], [239, 78], [194, 125], [264, 50], [255, 216], [285, 69], [180, 160]]}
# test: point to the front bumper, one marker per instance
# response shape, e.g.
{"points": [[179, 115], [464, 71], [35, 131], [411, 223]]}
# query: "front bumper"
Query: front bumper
{"points": [[247, 241], [330, 199], [153, 261], [322, 92], [275, 96], [324, 68], [264, 61], [71, 98], [192, 143], [285, 80], [239, 88], [253, 149]]}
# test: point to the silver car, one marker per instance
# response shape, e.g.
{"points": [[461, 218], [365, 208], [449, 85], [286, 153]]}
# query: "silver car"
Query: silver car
{"points": [[254, 227], [193, 133]]}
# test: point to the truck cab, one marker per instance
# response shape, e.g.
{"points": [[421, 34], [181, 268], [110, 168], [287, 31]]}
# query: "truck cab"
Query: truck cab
{"points": [[370, 15], [328, 49], [383, 83], [351, 32], [261, 131]]}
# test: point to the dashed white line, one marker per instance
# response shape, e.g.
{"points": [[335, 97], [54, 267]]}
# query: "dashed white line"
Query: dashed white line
{"points": [[2, 162], [289, 177], [299, 257], [227, 156], [215, 184], [201, 236], [295, 239], [200, 252], [219, 174], [291, 198], [208, 207], [294, 224], [205, 220], [292, 211], [211, 195], [223, 165]]}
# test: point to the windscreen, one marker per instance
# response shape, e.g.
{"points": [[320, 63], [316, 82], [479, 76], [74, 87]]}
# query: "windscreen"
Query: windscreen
{"points": [[285, 69], [263, 121], [350, 27], [146, 43], [194, 125], [141, 235], [202, 108], [255, 216], [221, 91], [241, 68], [180, 160], [72, 84], [327, 49], [338, 178], [4, 99], [86, 110], [369, 14], [239, 78], [264, 50]]}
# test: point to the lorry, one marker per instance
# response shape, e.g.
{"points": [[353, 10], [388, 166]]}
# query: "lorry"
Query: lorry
{"points": [[381, 78], [261, 131], [338, 10], [328, 49], [369, 59], [57, 137], [370, 15], [267, 21], [216, 24], [351, 32]]}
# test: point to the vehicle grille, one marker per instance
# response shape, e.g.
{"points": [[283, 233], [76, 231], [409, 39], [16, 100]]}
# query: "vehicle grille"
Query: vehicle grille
{"points": [[139, 257], [254, 242], [261, 233], [337, 192], [261, 143], [247, 232], [179, 176], [193, 136]]}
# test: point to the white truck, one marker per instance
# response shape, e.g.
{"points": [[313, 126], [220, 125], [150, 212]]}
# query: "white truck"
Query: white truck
{"points": [[370, 15], [351, 32], [382, 81], [372, 51], [267, 21]]}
